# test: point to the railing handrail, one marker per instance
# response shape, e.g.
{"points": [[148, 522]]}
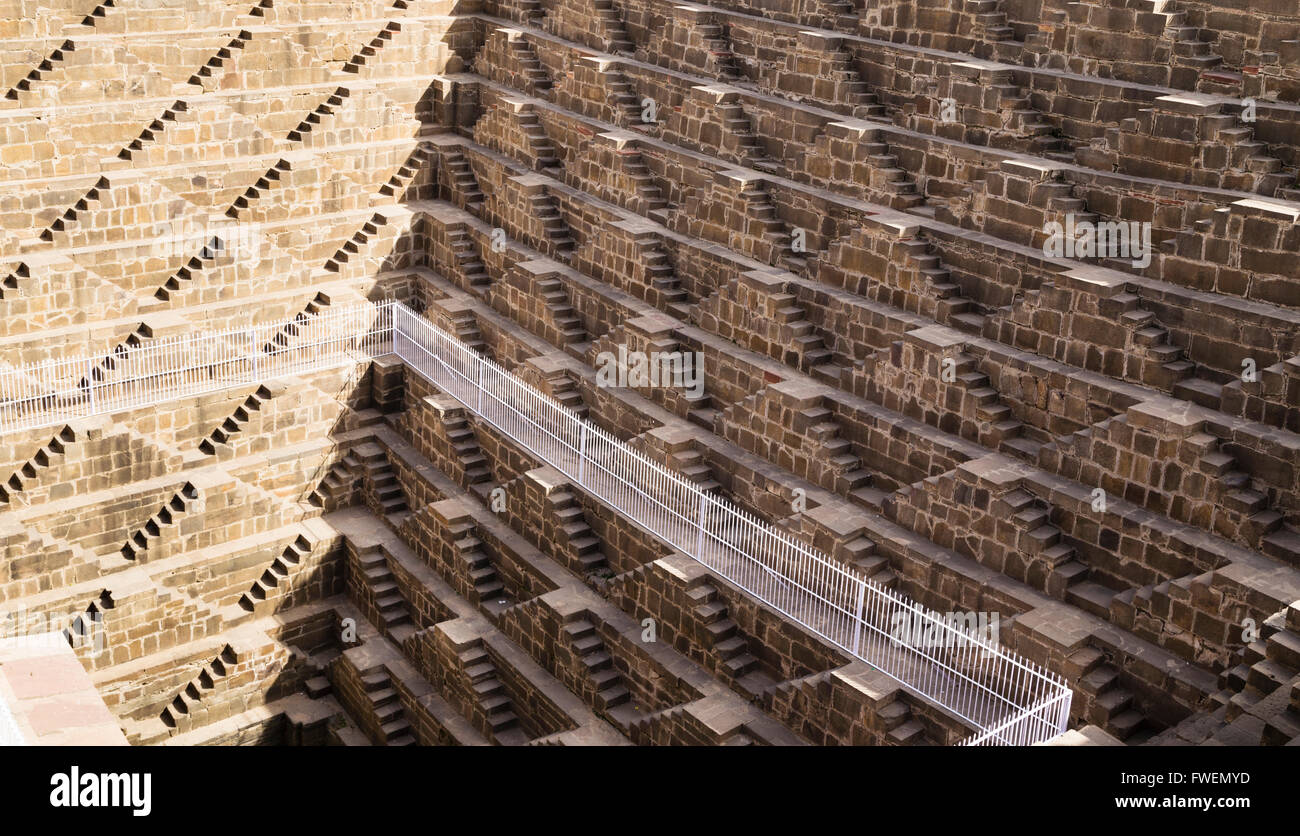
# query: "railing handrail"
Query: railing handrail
{"points": [[47, 392], [1006, 698], [1021, 723]]}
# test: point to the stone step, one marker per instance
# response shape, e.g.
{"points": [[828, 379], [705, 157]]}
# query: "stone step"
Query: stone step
{"points": [[1092, 597]]}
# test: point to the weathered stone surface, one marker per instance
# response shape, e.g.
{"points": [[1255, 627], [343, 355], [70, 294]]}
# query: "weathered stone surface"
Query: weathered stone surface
{"points": [[842, 216]]}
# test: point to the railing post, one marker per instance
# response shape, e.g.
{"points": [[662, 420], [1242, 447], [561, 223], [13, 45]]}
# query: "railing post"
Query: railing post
{"points": [[392, 330], [479, 385], [857, 620], [582, 451], [252, 341], [699, 525], [394, 314], [399, 311], [90, 382]]}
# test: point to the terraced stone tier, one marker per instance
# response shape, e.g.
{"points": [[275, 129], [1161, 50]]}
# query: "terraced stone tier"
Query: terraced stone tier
{"points": [[843, 213]]}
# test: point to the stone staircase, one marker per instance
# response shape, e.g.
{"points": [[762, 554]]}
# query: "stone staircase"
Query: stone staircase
{"points": [[623, 97], [1186, 48], [722, 62], [611, 25], [81, 628], [1151, 339], [336, 481], [951, 308], [382, 481], [146, 537], [285, 336], [1189, 49], [738, 131], [38, 73], [887, 175], [591, 652], [1268, 670], [354, 244], [464, 327], [1058, 197], [264, 587], [465, 191], [542, 208], [321, 111], [641, 730], [1261, 526], [536, 78], [565, 390], [842, 15], [264, 184], [219, 439], [1004, 115], [759, 207], [999, 429], [469, 263], [183, 134], [218, 60], [386, 705], [902, 729], [489, 590], [1283, 543], [99, 373], [70, 215], [15, 281], [531, 9], [665, 288], [1225, 152], [862, 102], [1052, 564], [394, 617], [690, 463], [153, 130], [850, 478], [1110, 704], [1020, 117], [700, 409], [734, 659], [810, 352], [213, 256], [649, 196], [990, 20], [317, 687], [395, 187], [860, 553], [565, 319], [1157, 602], [373, 48], [177, 716], [540, 148], [478, 473], [30, 472], [490, 694], [584, 543]]}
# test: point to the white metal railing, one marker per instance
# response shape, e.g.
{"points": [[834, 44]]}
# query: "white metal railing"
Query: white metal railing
{"points": [[131, 376], [1006, 699]]}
